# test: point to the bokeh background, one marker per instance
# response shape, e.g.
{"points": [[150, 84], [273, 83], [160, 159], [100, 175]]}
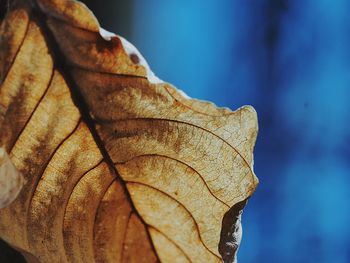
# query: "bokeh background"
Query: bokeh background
{"points": [[291, 61]]}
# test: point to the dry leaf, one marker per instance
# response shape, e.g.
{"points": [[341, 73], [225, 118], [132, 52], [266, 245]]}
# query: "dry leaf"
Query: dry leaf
{"points": [[119, 166]]}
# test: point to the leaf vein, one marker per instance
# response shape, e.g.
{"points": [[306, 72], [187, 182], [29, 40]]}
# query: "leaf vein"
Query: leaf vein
{"points": [[183, 206]]}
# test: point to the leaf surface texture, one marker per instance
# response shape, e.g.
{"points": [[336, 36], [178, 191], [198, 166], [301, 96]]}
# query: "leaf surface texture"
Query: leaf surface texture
{"points": [[118, 165]]}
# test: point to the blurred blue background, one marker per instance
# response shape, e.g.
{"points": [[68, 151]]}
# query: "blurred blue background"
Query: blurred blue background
{"points": [[291, 61]]}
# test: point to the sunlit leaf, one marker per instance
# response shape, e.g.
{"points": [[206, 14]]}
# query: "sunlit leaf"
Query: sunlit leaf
{"points": [[119, 166]]}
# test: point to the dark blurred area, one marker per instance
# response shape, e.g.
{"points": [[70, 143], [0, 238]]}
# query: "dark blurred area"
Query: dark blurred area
{"points": [[3, 8], [114, 16], [291, 61], [9, 255]]}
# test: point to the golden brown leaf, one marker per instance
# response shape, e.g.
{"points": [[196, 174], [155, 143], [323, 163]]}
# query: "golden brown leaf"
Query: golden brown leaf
{"points": [[119, 166]]}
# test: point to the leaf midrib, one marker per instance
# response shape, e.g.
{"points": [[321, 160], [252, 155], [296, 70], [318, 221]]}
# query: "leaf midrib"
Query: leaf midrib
{"points": [[62, 67]]}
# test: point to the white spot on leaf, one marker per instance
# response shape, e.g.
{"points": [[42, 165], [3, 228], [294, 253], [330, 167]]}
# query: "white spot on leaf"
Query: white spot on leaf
{"points": [[11, 181]]}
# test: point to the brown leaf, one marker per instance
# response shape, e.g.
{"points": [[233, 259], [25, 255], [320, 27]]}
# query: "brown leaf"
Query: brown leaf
{"points": [[119, 166]]}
